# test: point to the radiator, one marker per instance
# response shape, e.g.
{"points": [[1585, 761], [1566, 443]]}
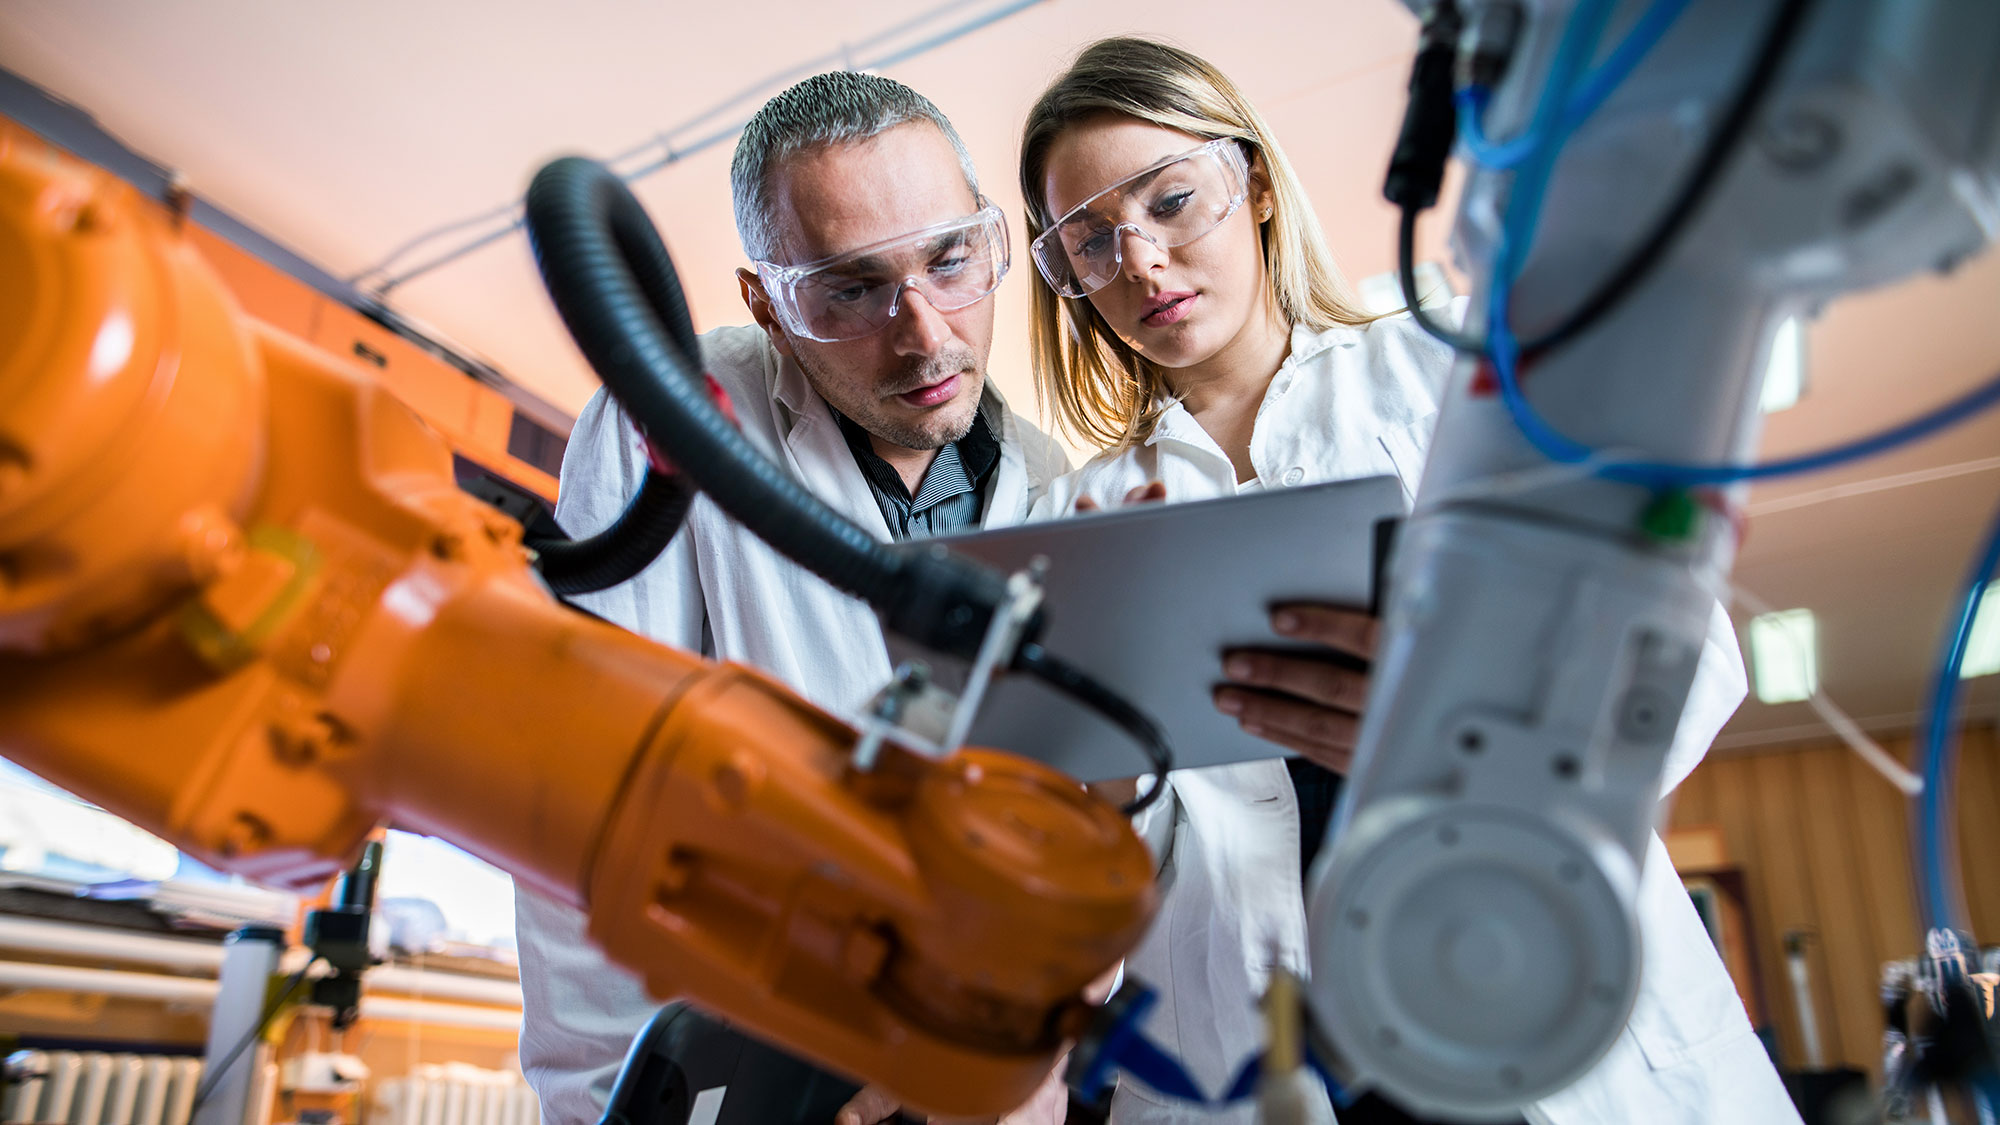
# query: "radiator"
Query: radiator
{"points": [[455, 1094], [95, 1088]]}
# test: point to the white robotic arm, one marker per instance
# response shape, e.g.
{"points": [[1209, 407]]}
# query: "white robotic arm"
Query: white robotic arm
{"points": [[1474, 945]]}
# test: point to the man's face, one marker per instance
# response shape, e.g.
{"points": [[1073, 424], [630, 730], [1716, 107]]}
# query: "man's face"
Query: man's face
{"points": [[917, 381]]}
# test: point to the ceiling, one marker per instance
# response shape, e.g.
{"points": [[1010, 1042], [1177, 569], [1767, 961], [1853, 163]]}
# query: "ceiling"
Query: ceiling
{"points": [[343, 130]]}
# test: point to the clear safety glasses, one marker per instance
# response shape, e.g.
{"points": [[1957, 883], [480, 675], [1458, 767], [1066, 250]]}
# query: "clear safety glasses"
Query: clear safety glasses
{"points": [[857, 293], [1169, 204]]}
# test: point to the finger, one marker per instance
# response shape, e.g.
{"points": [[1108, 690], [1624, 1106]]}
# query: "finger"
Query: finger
{"points": [[871, 1105], [1313, 680], [1270, 716], [1150, 492], [1085, 504], [1348, 630], [1337, 759], [1117, 792]]}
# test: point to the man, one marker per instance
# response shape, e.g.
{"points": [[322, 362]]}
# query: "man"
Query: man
{"points": [[865, 377]]}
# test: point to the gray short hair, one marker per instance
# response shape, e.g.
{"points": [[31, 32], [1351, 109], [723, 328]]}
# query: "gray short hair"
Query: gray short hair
{"points": [[838, 107]]}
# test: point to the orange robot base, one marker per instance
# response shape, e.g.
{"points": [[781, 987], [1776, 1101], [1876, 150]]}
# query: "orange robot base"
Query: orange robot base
{"points": [[243, 605]]}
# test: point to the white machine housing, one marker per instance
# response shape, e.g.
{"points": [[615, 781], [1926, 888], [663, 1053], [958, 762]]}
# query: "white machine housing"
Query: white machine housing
{"points": [[1473, 933]]}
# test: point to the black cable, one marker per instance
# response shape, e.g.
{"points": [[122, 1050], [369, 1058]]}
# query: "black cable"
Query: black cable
{"points": [[1073, 682], [213, 1078], [1771, 51], [614, 284], [1406, 273], [1423, 146], [619, 552]]}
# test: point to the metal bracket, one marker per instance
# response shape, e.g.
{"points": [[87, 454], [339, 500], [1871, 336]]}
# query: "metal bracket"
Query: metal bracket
{"points": [[918, 715]]}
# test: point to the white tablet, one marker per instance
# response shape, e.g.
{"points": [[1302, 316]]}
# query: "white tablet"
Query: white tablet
{"points": [[1146, 598]]}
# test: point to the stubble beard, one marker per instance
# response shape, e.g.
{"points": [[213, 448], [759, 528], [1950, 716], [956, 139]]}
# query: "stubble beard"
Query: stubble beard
{"points": [[933, 430]]}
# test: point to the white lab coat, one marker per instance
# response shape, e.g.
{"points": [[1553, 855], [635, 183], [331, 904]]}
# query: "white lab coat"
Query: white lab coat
{"points": [[721, 590], [1358, 402]]}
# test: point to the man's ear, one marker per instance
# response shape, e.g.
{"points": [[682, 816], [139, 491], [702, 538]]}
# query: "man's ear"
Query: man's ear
{"points": [[759, 304]]}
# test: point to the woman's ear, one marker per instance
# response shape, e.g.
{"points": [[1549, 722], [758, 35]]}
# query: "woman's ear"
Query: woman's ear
{"points": [[759, 304], [1263, 199]]}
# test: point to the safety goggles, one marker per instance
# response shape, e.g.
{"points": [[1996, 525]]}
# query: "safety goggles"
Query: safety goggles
{"points": [[1169, 204], [857, 292]]}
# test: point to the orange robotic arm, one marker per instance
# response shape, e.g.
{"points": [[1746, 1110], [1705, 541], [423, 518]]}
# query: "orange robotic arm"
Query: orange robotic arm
{"points": [[243, 605]]}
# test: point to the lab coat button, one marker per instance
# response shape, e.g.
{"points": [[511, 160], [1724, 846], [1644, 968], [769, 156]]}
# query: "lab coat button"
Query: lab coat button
{"points": [[1294, 475]]}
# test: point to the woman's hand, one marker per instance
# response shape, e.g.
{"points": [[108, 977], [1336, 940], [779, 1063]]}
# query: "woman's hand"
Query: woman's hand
{"points": [[1150, 492], [1307, 703]]}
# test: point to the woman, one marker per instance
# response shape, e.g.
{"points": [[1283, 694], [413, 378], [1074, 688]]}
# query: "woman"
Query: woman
{"points": [[1191, 322]]}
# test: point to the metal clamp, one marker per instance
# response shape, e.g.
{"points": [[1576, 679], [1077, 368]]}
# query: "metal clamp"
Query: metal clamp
{"points": [[916, 714]]}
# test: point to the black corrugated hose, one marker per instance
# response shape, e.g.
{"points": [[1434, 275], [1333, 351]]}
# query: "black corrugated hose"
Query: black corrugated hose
{"points": [[619, 552]]}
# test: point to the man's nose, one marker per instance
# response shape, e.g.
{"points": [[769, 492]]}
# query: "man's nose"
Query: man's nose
{"points": [[918, 328], [1139, 253]]}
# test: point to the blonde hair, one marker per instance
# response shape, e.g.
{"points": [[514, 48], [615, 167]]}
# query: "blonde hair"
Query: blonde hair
{"points": [[1105, 392]]}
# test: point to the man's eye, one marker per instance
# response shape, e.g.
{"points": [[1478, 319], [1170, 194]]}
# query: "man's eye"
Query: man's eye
{"points": [[848, 294]]}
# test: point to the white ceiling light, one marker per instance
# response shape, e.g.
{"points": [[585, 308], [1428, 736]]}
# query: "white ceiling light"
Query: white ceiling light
{"points": [[1982, 648], [1784, 652], [1785, 374]]}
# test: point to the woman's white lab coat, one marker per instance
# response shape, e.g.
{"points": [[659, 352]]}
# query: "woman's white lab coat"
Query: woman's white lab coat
{"points": [[1357, 402], [720, 590]]}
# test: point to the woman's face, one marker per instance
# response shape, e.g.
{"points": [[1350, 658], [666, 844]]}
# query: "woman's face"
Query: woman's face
{"points": [[1178, 307]]}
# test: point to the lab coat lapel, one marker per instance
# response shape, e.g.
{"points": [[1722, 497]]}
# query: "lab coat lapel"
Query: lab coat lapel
{"points": [[819, 454], [1007, 501]]}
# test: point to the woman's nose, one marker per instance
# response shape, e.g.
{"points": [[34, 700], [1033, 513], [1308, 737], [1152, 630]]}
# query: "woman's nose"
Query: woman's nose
{"points": [[1138, 252]]}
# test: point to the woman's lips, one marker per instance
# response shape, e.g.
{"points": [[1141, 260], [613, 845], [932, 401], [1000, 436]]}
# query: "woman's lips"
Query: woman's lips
{"points": [[932, 395], [1171, 307]]}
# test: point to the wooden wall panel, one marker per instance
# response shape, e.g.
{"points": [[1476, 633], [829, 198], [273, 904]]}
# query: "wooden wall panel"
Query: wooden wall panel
{"points": [[1823, 843], [1979, 832], [1841, 936]]}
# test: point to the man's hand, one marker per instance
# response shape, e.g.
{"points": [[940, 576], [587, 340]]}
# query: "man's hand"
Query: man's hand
{"points": [[1303, 703], [1048, 1106]]}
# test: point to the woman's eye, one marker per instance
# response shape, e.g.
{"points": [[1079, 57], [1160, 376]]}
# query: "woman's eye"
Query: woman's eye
{"points": [[1095, 244], [1173, 204], [950, 265]]}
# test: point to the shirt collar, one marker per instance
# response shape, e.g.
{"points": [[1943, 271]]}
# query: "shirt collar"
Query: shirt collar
{"points": [[957, 469]]}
